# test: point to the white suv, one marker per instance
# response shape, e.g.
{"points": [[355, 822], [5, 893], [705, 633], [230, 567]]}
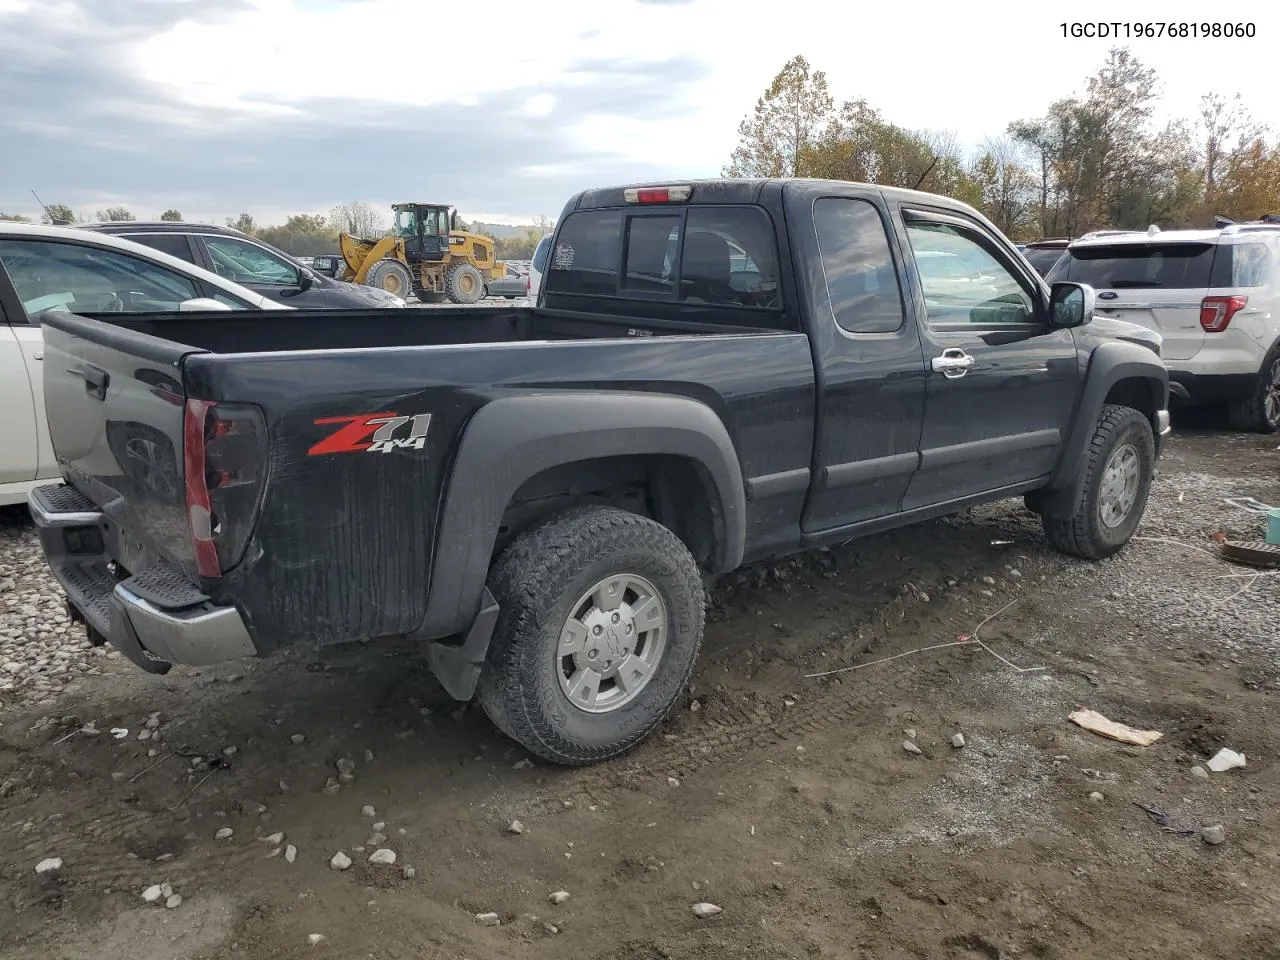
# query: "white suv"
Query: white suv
{"points": [[1214, 296]]}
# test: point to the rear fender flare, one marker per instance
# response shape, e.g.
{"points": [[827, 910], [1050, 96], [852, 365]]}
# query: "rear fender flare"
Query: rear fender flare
{"points": [[513, 439]]}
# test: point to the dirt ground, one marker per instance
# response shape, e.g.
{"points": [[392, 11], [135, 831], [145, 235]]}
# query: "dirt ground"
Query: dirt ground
{"points": [[789, 802]]}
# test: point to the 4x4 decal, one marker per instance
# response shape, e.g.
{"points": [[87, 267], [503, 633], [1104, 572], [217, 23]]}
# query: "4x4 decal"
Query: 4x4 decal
{"points": [[372, 433]]}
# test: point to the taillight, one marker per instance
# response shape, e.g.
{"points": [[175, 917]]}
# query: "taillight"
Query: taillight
{"points": [[224, 457], [1216, 312], [657, 194]]}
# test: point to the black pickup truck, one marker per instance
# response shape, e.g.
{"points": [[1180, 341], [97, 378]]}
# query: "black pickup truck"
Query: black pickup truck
{"points": [[715, 373]]}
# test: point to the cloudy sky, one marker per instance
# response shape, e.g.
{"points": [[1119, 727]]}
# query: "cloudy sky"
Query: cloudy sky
{"points": [[504, 109]]}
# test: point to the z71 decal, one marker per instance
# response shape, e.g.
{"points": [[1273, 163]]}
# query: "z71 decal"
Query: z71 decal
{"points": [[372, 433]]}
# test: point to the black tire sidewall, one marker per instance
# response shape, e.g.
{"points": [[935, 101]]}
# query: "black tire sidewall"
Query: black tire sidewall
{"points": [[1135, 430], [602, 731]]}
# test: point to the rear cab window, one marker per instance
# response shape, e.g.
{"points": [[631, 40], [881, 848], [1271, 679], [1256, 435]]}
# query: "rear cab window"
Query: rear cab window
{"points": [[718, 256]]}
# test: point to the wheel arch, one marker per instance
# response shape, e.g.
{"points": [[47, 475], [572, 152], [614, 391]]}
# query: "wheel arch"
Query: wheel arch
{"points": [[1120, 373], [532, 449]]}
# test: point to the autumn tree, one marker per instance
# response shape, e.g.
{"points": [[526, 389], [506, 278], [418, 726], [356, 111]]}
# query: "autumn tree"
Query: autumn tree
{"points": [[172, 216], [358, 219], [1007, 189], [114, 215], [789, 120]]}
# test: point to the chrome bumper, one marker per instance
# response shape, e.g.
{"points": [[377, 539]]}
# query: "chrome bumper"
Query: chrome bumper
{"points": [[156, 617]]}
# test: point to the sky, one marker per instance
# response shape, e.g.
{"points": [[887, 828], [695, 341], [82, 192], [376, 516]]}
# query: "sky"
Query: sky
{"points": [[505, 109]]}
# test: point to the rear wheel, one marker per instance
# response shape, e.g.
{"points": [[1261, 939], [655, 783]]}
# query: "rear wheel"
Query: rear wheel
{"points": [[1117, 480], [463, 283], [600, 620], [1260, 411], [391, 276]]}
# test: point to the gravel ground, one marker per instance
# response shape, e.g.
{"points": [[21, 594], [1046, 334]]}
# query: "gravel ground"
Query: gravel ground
{"points": [[790, 803]]}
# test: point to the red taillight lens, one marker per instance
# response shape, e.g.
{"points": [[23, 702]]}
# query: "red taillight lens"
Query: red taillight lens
{"points": [[224, 456], [199, 510], [1216, 312], [657, 194]]}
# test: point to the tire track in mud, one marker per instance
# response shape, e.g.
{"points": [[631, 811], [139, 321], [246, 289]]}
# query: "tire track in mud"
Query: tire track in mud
{"points": [[743, 725]]}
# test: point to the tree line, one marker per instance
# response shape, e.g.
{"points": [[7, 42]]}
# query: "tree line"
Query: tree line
{"points": [[307, 234], [1091, 161]]}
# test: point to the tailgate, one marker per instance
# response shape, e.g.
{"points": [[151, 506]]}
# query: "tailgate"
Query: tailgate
{"points": [[115, 405]]}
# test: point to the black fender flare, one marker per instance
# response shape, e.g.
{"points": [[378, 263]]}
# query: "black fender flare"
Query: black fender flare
{"points": [[512, 439], [1109, 363]]}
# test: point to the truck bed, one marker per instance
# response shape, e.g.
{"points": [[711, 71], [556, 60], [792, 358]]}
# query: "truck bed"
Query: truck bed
{"points": [[290, 330]]}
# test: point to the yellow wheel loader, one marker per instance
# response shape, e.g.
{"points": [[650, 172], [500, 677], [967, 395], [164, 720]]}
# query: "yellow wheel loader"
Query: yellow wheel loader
{"points": [[423, 256]]}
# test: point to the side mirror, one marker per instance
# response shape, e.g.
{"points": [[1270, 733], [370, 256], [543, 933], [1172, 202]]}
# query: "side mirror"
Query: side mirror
{"points": [[305, 280], [1071, 304], [200, 304]]}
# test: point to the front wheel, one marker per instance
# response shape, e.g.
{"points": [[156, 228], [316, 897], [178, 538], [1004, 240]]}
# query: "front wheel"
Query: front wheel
{"points": [[600, 619], [1117, 481]]}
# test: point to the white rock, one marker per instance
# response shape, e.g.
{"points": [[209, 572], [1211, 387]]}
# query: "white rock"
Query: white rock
{"points": [[1214, 835], [705, 911], [516, 827], [274, 838], [368, 811], [909, 733], [672, 782], [1225, 760], [230, 751], [166, 890], [174, 902], [488, 919], [315, 939], [1096, 797], [380, 826], [152, 893], [910, 747], [290, 853], [559, 897], [1199, 771], [522, 765], [384, 855], [296, 739], [958, 741], [340, 861], [225, 833], [49, 865]]}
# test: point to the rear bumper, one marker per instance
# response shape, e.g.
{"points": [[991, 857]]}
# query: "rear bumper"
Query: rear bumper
{"points": [[155, 618]]}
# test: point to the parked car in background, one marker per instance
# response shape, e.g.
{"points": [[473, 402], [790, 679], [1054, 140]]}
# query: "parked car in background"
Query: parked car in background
{"points": [[511, 286], [1043, 254], [538, 266], [250, 262], [1214, 296], [57, 269]]}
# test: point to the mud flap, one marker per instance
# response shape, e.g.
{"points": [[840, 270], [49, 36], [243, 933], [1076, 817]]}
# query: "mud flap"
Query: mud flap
{"points": [[458, 667]]}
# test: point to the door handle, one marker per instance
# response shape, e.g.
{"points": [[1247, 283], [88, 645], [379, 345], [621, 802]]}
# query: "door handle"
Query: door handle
{"points": [[95, 381], [953, 363]]}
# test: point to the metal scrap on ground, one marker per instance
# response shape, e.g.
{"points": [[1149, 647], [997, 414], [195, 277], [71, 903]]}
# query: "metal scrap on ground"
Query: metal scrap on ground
{"points": [[1095, 722]]}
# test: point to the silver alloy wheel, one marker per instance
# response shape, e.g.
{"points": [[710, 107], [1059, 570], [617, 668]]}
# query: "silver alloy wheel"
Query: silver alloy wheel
{"points": [[612, 643], [1120, 479], [1271, 404]]}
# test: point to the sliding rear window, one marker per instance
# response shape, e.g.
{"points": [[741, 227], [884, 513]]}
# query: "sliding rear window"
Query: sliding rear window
{"points": [[716, 256], [1120, 266]]}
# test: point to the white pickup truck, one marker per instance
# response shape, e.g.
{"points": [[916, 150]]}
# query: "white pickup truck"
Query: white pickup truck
{"points": [[60, 268]]}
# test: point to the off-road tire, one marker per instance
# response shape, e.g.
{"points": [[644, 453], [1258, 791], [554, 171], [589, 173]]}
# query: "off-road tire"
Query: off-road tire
{"points": [[392, 272], [1250, 413], [1082, 532], [535, 582], [458, 289]]}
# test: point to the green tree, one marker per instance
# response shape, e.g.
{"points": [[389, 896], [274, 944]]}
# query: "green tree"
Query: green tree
{"points": [[115, 214], [58, 211], [244, 223], [788, 123], [172, 216]]}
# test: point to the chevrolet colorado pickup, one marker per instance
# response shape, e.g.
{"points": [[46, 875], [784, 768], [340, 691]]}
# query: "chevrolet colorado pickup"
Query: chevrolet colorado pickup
{"points": [[714, 373]]}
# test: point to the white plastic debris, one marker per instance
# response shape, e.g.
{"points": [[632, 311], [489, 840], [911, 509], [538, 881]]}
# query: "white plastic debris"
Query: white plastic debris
{"points": [[1225, 760]]}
